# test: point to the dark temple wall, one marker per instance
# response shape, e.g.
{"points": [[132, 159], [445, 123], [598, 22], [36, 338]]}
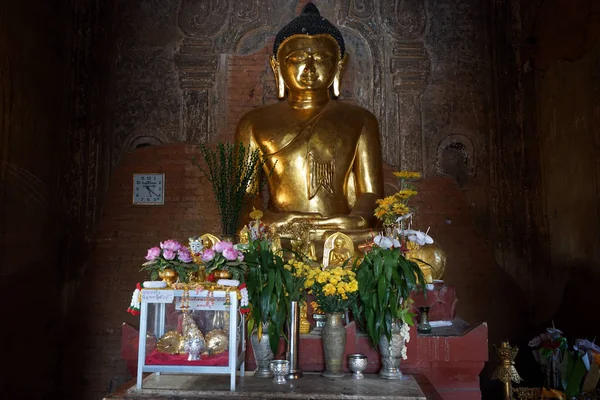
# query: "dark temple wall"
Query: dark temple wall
{"points": [[52, 174], [545, 149]]}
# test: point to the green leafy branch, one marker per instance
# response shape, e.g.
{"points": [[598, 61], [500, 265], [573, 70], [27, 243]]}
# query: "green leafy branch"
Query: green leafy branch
{"points": [[233, 171], [385, 280]]}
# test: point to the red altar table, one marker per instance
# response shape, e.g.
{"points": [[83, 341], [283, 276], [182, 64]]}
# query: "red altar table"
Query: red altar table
{"points": [[451, 357]]}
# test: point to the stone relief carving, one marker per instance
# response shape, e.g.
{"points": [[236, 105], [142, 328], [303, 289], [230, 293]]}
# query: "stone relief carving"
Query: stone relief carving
{"points": [[403, 19], [202, 18], [147, 100], [362, 9]]}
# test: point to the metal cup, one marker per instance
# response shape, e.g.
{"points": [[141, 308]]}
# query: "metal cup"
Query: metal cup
{"points": [[280, 369], [357, 364]]}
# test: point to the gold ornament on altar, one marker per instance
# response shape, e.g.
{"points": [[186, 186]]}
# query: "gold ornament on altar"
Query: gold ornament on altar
{"points": [[170, 343], [168, 275], [338, 249], [217, 341], [506, 371], [300, 233], [315, 175], [431, 258], [209, 240]]}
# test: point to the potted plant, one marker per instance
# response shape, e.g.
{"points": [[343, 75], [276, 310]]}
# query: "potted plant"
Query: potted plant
{"points": [[169, 261], [334, 289], [269, 303], [223, 256], [385, 280], [233, 171]]}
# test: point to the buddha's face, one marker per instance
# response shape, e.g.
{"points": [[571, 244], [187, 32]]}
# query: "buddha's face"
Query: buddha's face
{"points": [[308, 62], [338, 243]]}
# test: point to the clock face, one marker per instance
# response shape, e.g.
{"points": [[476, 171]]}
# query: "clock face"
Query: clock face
{"points": [[148, 189]]}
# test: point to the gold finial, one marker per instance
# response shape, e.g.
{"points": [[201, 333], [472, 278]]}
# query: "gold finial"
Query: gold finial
{"points": [[506, 371], [256, 214]]}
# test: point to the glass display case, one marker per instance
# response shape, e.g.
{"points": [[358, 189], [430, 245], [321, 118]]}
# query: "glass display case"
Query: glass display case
{"points": [[191, 332]]}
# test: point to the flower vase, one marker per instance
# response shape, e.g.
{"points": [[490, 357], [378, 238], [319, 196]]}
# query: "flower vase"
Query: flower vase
{"points": [[292, 343], [168, 275], [391, 354], [262, 353], [334, 345]]}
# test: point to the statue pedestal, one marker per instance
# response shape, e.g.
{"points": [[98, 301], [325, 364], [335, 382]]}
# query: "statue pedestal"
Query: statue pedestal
{"points": [[440, 299]]}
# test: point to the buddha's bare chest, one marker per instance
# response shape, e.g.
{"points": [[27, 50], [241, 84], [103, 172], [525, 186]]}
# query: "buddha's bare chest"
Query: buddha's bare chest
{"points": [[324, 138]]}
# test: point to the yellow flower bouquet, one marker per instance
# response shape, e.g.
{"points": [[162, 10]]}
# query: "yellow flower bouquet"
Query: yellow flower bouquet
{"points": [[334, 289], [390, 208]]}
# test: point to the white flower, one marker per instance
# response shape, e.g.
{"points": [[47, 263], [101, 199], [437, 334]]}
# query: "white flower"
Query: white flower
{"points": [[386, 242], [403, 217], [418, 237]]}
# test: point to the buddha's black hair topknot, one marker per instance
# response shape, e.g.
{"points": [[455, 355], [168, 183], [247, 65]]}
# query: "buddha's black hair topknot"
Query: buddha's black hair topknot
{"points": [[309, 22]]}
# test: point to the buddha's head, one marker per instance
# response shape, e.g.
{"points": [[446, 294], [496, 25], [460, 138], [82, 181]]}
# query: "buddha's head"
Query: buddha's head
{"points": [[339, 243], [309, 54]]}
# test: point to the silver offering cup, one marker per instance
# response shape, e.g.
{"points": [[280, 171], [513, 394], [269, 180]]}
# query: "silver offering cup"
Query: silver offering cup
{"points": [[280, 369], [357, 364]]}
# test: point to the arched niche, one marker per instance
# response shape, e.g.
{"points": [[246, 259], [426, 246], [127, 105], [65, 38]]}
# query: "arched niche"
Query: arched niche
{"points": [[455, 157], [138, 141]]}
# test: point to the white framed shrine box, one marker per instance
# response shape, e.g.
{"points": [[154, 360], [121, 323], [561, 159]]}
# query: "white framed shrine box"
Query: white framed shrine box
{"points": [[217, 315]]}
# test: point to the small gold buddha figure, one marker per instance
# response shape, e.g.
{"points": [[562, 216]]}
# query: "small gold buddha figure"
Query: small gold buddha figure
{"points": [[244, 235], [322, 157], [338, 250], [304, 323]]}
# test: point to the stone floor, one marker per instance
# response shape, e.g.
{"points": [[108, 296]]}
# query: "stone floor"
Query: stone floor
{"points": [[310, 386]]}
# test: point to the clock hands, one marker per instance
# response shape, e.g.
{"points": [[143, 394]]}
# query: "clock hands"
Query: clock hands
{"points": [[151, 191]]}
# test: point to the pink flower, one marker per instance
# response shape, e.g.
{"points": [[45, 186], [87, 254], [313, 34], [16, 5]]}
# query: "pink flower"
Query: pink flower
{"points": [[153, 253], [208, 255], [168, 254], [170, 244], [230, 253], [221, 246], [184, 255]]}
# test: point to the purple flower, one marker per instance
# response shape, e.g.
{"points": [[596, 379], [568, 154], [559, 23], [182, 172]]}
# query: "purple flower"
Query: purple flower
{"points": [[168, 254], [230, 253], [221, 246], [184, 255], [153, 253], [240, 256], [170, 244], [208, 255]]}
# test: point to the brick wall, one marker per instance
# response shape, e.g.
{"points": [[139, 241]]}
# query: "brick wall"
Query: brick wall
{"points": [[125, 233]]}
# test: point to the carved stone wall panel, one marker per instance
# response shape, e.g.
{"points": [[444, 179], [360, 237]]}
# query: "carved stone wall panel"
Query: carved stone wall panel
{"points": [[195, 116], [457, 94], [403, 19], [203, 18], [148, 100]]}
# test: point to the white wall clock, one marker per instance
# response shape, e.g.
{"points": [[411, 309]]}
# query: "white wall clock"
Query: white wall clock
{"points": [[148, 189]]}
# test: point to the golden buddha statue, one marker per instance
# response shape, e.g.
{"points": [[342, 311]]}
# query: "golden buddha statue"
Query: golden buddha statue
{"points": [[322, 157], [337, 250]]}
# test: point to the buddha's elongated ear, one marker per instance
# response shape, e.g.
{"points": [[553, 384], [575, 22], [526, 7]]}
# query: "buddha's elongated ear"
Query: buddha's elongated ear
{"points": [[337, 79], [278, 78]]}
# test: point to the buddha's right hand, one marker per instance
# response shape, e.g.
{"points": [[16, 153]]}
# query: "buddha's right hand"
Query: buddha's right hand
{"points": [[275, 219]]}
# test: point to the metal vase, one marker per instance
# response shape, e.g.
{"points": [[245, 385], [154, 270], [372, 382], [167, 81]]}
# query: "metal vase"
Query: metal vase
{"points": [[292, 344], [391, 354], [262, 353], [334, 345]]}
